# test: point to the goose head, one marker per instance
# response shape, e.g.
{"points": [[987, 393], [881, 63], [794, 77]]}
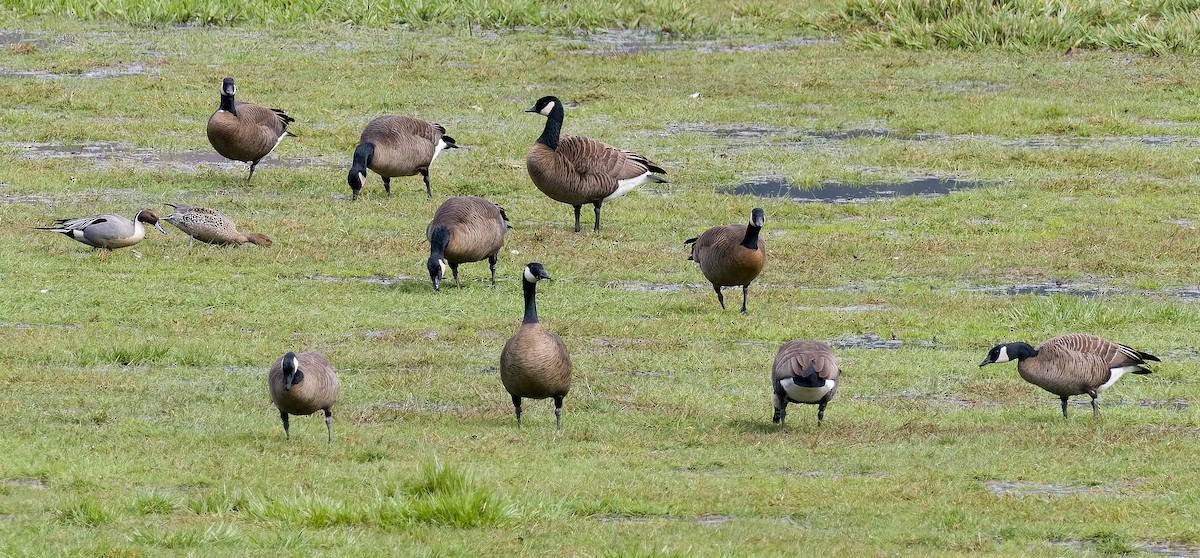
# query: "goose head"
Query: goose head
{"points": [[291, 372]]}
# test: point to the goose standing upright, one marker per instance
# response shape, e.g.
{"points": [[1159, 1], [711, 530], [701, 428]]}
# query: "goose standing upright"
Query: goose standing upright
{"points": [[578, 170], [1072, 364], [731, 255], [804, 372], [211, 226], [535, 363], [302, 384], [107, 231], [464, 229], [397, 146], [245, 131]]}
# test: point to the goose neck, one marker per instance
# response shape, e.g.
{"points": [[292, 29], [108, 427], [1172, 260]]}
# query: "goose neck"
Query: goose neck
{"points": [[553, 129], [531, 316]]}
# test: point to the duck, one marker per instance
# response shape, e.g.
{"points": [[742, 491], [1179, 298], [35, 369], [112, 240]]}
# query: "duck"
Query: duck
{"points": [[245, 131], [464, 229], [211, 226], [578, 170], [731, 255], [804, 372], [397, 146], [302, 384], [535, 363], [1072, 364], [108, 231]]}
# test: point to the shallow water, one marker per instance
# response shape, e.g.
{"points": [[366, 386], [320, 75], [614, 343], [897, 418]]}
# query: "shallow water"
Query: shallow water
{"points": [[778, 187]]}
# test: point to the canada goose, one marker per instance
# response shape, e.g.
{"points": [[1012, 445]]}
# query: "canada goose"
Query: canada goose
{"points": [[397, 146], [302, 384], [731, 255], [535, 363], [107, 231], [576, 170], [211, 226], [245, 131], [804, 372], [464, 229], [1072, 364]]}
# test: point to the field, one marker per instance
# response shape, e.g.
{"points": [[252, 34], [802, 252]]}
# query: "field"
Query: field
{"points": [[137, 418]]}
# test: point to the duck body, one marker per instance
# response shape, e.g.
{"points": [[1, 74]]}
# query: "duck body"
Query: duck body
{"points": [[211, 226], [107, 231]]}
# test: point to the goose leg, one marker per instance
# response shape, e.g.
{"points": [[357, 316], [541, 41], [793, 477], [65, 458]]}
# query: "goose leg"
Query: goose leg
{"points": [[517, 409], [558, 400], [720, 297], [252, 165], [454, 270], [425, 176], [492, 265], [1095, 406], [780, 412], [286, 433], [745, 291], [577, 207], [329, 425], [596, 207], [387, 185], [821, 412], [1064, 407]]}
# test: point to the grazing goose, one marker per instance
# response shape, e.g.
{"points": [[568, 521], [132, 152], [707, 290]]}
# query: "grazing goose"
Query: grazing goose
{"points": [[804, 372], [464, 229], [731, 255], [576, 170], [1072, 364], [397, 146], [535, 363], [245, 131], [211, 226], [107, 231], [302, 384]]}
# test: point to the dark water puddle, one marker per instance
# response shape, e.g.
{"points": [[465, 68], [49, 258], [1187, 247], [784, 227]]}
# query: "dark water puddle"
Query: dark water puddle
{"points": [[778, 187], [872, 341], [620, 42], [98, 73], [109, 153]]}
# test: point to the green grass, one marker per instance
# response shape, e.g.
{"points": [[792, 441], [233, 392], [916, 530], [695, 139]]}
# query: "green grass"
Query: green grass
{"points": [[138, 421]]}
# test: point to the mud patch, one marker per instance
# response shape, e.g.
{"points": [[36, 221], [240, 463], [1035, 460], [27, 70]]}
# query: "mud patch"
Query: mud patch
{"points": [[33, 483], [1100, 142], [19, 41], [621, 518], [831, 192], [872, 341], [712, 519], [621, 42], [25, 198], [104, 155], [373, 280], [1168, 548], [1027, 488], [850, 308], [97, 73]]}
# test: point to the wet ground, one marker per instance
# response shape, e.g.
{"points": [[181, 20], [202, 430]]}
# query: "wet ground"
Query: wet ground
{"points": [[103, 155], [623, 42], [831, 192]]}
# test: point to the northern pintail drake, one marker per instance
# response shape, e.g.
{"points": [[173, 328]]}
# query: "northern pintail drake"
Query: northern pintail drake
{"points": [[107, 231]]}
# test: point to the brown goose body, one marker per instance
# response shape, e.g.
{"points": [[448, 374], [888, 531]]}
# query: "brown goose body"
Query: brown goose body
{"points": [[211, 226], [804, 372], [731, 255], [397, 146], [302, 384], [1073, 364], [577, 170], [245, 131], [534, 363], [465, 229]]}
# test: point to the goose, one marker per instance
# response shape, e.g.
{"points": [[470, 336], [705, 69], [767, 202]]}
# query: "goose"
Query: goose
{"points": [[302, 384], [804, 372], [397, 146], [211, 226], [107, 231], [245, 131], [464, 229], [535, 363], [731, 255], [577, 170], [1072, 364]]}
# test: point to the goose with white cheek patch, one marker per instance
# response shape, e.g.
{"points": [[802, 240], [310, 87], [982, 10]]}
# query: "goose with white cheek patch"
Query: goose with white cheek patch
{"points": [[464, 229], [107, 231], [731, 255], [302, 384], [245, 131], [1072, 364], [535, 363], [578, 170], [804, 372], [397, 146]]}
